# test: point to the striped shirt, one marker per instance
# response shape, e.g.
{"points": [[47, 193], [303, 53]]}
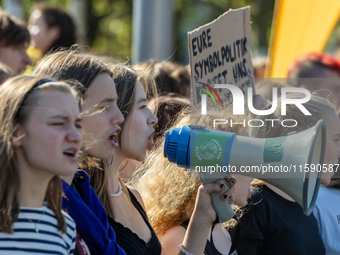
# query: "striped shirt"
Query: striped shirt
{"points": [[36, 232]]}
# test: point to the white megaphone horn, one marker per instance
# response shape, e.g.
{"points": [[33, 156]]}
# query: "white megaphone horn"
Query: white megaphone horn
{"points": [[291, 163]]}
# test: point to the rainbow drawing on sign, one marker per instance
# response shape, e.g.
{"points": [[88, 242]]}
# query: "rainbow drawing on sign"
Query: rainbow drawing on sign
{"points": [[213, 90]]}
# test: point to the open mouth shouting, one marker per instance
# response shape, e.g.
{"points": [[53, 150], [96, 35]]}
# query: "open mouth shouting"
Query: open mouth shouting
{"points": [[113, 138], [150, 143], [71, 154]]}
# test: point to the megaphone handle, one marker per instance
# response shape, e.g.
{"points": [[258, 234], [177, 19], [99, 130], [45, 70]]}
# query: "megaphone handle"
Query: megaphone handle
{"points": [[222, 208]]}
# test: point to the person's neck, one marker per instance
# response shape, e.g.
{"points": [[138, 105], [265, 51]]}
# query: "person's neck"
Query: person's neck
{"points": [[33, 185], [67, 178], [113, 173], [280, 192]]}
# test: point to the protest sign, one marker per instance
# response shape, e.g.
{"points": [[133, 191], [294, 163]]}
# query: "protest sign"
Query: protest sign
{"points": [[220, 54]]}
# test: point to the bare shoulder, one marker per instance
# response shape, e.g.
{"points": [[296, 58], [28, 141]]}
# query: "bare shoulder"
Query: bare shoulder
{"points": [[136, 193], [172, 238]]}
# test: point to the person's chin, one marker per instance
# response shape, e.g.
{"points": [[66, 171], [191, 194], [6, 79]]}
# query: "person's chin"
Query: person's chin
{"points": [[242, 203], [22, 71], [325, 180]]}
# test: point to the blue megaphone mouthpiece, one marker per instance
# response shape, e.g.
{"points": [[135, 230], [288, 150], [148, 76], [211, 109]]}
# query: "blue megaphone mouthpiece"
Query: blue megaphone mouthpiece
{"points": [[176, 147]]}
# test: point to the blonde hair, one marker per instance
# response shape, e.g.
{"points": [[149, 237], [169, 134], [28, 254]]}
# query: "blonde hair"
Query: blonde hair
{"points": [[168, 192], [319, 108], [18, 98]]}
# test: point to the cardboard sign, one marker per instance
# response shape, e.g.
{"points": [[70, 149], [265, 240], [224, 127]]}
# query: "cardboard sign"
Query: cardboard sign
{"points": [[220, 54]]}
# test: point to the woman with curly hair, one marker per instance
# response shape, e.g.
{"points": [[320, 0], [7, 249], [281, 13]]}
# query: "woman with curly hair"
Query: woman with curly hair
{"points": [[169, 193]]}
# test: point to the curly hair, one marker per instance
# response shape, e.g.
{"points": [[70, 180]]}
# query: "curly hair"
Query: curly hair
{"points": [[168, 192]]}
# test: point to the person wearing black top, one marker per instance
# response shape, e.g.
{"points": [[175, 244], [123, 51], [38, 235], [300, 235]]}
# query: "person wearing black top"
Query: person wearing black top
{"points": [[131, 242], [276, 224], [169, 193], [272, 224]]}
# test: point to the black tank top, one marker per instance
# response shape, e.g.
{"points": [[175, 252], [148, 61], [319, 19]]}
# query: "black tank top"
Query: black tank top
{"points": [[129, 241]]}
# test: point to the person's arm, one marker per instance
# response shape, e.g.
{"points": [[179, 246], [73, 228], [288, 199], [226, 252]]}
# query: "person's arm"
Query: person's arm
{"points": [[89, 224], [204, 215], [172, 238]]}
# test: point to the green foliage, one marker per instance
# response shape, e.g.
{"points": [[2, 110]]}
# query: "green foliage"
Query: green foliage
{"points": [[191, 14], [109, 22], [113, 35], [29, 4]]}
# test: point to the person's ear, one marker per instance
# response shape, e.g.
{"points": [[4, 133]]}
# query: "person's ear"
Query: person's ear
{"points": [[54, 33], [18, 135]]}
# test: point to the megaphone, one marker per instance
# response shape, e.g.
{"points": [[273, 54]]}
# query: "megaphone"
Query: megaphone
{"points": [[292, 163]]}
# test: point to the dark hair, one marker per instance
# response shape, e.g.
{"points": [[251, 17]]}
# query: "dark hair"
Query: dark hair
{"points": [[169, 77], [5, 73], [311, 65], [13, 31], [167, 109], [55, 16]]}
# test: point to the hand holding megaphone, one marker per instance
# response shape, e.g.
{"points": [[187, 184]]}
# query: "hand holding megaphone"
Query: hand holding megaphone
{"points": [[211, 153], [207, 190]]}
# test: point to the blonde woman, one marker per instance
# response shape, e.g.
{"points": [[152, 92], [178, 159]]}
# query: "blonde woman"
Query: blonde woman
{"points": [[169, 192]]}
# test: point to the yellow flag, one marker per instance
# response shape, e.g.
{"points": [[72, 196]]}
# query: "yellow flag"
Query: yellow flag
{"points": [[299, 27]]}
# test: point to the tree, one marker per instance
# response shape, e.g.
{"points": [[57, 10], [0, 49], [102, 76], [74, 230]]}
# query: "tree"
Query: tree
{"points": [[109, 22]]}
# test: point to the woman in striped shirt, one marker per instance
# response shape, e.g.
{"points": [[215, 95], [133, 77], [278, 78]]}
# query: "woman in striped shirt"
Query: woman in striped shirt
{"points": [[40, 139]]}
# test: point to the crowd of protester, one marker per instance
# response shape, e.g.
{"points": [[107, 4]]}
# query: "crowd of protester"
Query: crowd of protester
{"points": [[82, 169]]}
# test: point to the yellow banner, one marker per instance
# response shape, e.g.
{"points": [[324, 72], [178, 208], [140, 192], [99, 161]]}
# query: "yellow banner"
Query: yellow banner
{"points": [[299, 27]]}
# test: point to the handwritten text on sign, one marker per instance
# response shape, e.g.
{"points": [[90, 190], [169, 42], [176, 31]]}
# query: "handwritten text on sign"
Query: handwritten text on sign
{"points": [[220, 53]]}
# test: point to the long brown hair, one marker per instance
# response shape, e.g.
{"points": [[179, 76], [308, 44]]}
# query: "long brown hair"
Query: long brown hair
{"points": [[13, 31], [125, 79], [57, 17], [17, 100]]}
